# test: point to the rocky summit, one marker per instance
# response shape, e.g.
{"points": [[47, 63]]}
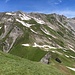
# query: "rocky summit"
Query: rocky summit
{"points": [[40, 38]]}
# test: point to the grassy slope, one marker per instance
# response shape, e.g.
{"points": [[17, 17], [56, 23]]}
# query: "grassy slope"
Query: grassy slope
{"points": [[13, 65], [66, 61], [31, 53], [35, 54]]}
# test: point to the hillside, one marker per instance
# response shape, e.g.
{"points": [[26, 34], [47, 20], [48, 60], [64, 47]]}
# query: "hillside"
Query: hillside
{"points": [[13, 65], [40, 44]]}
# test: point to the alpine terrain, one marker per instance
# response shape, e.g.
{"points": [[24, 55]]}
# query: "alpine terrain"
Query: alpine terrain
{"points": [[36, 44]]}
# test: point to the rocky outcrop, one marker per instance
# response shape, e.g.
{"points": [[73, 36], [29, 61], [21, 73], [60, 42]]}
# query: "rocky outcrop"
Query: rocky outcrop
{"points": [[46, 58], [58, 60], [9, 42]]}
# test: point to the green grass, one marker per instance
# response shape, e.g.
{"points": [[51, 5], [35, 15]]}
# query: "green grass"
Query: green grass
{"points": [[51, 19], [60, 33], [65, 61], [13, 65], [35, 54], [31, 53], [31, 21]]}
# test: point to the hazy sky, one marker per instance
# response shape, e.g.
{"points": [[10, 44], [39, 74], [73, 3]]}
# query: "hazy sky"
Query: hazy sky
{"points": [[65, 7]]}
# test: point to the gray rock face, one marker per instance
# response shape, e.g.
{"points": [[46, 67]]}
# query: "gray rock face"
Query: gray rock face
{"points": [[46, 30], [14, 34], [46, 58]]}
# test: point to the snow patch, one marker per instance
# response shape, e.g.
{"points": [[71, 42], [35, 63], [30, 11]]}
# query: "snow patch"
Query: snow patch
{"points": [[53, 51], [59, 53], [72, 56], [25, 45], [47, 32], [0, 27], [64, 50], [67, 56], [24, 17], [39, 20], [73, 69], [43, 46], [33, 31], [23, 23], [72, 49], [51, 26], [5, 27], [10, 13]]}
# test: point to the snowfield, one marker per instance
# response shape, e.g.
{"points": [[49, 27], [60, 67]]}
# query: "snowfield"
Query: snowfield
{"points": [[43, 46], [24, 17], [38, 20], [10, 14], [23, 23]]}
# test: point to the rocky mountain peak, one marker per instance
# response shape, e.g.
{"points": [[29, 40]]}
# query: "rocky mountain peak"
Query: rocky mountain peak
{"points": [[46, 30]]}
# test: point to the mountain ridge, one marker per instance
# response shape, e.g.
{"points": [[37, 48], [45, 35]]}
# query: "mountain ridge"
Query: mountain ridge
{"points": [[51, 25], [39, 38]]}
